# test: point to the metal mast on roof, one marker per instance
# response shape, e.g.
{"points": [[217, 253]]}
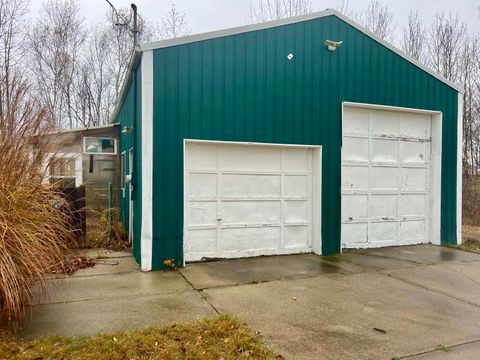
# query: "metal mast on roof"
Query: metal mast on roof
{"points": [[135, 25], [126, 22]]}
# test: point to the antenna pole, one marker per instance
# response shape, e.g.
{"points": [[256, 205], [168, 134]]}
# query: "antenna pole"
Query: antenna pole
{"points": [[135, 25]]}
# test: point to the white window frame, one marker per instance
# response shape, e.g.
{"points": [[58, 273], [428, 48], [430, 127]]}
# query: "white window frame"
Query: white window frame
{"points": [[130, 200], [84, 150], [65, 155], [123, 171]]}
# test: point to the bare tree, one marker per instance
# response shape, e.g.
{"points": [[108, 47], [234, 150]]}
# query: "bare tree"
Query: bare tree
{"points": [[12, 17], [94, 83], [104, 64], [55, 41], [268, 10], [456, 55], [174, 24], [379, 20], [470, 79], [344, 8], [446, 38], [120, 42], [414, 36]]}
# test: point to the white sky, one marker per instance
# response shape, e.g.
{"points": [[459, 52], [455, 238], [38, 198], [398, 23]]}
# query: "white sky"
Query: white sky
{"points": [[208, 15]]}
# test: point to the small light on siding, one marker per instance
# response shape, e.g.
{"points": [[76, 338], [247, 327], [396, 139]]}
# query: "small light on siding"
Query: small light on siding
{"points": [[333, 45], [126, 130], [290, 56]]}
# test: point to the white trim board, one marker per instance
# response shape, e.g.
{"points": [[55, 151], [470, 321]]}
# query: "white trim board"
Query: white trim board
{"points": [[250, 143], [135, 58], [271, 24], [389, 108], [459, 167], [77, 157], [146, 237], [130, 199]]}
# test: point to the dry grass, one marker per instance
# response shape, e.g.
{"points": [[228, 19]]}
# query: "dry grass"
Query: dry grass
{"points": [[470, 244], [471, 201], [471, 229], [224, 337], [99, 236], [34, 229]]}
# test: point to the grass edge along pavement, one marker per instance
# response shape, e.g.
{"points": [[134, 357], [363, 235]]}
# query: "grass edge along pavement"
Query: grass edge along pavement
{"points": [[224, 337]]}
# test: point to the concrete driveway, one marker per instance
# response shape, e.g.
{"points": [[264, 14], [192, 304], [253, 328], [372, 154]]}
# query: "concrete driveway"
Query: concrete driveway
{"points": [[414, 302]]}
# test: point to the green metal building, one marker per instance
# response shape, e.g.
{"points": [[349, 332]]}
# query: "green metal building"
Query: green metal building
{"points": [[308, 134]]}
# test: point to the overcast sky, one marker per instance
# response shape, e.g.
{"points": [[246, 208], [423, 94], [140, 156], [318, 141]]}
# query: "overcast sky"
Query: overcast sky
{"points": [[208, 15]]}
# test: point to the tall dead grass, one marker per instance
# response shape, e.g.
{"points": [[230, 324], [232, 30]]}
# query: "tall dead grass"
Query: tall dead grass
{"points": [[34, 229], [471, 200]]}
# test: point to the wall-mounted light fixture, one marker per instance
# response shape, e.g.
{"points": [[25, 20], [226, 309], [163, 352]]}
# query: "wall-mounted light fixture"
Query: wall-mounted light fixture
{"points": [[126, 130], [333, 45]]}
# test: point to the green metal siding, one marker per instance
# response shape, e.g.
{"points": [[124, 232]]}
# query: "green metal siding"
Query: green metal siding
{"points": [[130, 116], [243, 88]]}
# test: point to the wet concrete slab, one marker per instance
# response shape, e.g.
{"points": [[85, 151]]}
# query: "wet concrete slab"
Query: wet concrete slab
{"points": [[262, 269], [107, 266], [360, 316], [365, 304], [460, 280], [102, 253], [91, 317], [112, 298], [421, 254], [470, 351], [109, 286], [373, 262]]}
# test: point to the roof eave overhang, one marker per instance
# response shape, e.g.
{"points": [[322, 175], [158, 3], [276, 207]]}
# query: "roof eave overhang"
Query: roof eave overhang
{"points": [[134, 61]]}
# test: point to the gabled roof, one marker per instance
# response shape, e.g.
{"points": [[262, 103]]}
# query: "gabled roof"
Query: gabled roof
{"points": [[271, 24], [85, 129], [293, 20]]}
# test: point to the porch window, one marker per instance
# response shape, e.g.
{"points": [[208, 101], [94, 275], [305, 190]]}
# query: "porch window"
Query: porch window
{"points": [[62, 171], [99, 145]]}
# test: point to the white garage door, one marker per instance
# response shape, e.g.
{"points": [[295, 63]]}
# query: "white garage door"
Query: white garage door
{"points": [[247, 200], [386, 183]]}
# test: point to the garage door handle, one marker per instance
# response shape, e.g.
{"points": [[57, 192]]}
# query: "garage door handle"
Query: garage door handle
{"points": [[219, 219]]}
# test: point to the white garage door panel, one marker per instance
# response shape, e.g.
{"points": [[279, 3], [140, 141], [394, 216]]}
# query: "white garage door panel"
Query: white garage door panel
{"points": [[250, 185], [202, 213], [266, 212], [385, 177], [247, 200]]}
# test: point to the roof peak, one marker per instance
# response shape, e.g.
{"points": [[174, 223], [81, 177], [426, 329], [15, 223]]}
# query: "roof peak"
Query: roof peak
{"points": [[237, 30], [292, 20]]}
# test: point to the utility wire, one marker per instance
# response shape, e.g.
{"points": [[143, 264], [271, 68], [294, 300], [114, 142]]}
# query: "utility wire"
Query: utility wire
{"points": [[126, 22]]}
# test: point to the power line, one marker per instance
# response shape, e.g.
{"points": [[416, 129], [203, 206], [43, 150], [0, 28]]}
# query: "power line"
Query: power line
{"points": [[126, 22]]}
